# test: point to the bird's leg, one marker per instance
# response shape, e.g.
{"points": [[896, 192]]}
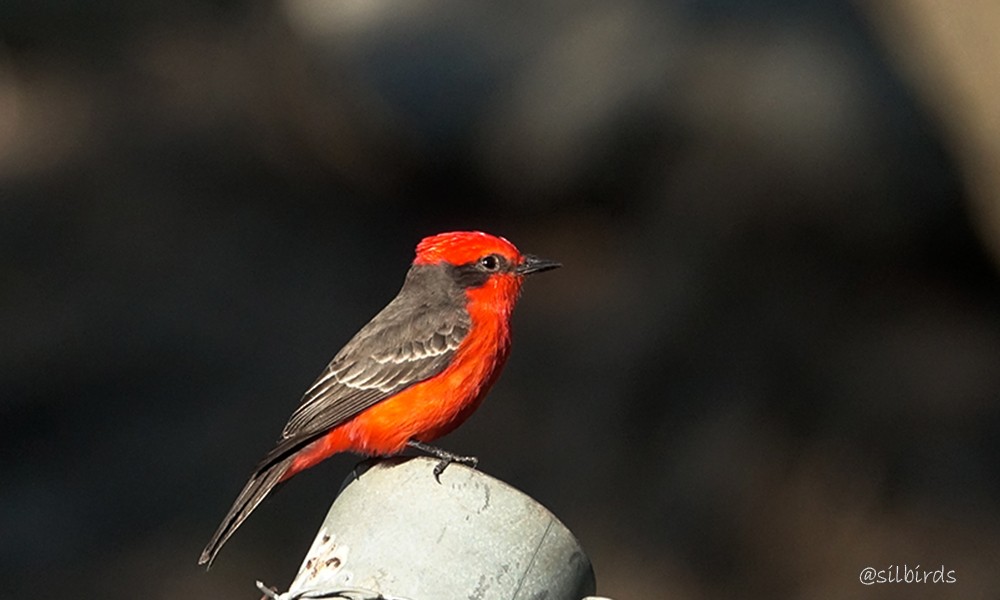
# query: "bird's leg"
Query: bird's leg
{"points": [[445, 457]]}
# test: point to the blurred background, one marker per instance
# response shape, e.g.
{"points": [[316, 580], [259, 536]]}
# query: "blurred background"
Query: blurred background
{"points": [[772, 357]]}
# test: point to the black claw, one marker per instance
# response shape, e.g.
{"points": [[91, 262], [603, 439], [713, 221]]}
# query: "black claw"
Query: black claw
{"points": [[440, 467], [446, 458]]}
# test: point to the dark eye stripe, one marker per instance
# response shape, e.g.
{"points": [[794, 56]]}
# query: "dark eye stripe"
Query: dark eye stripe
{"points": [[474, 274]]}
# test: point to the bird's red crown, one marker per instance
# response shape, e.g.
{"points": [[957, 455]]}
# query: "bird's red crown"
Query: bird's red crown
{"points": [[460, 247]]}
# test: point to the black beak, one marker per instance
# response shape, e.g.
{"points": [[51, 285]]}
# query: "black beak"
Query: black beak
{"points": [[533, 264]]}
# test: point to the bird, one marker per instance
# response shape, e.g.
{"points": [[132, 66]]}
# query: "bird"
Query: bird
{"points": [[416, 371]]}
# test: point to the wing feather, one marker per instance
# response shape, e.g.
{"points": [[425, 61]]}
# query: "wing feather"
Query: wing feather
{"points": [[387, 356]]}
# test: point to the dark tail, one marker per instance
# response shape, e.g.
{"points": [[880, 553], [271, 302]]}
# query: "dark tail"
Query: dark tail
{"points": [[268, 474]]}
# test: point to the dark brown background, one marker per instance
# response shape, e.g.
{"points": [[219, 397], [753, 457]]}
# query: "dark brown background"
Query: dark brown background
{"points": [[772, 357]]}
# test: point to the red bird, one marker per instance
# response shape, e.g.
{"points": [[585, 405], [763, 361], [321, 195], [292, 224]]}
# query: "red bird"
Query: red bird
{"points": [[415, 372]]}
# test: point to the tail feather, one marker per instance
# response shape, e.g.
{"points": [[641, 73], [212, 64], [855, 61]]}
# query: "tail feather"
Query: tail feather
{"points": [[276, 467], [290, 456], [264, 479]]}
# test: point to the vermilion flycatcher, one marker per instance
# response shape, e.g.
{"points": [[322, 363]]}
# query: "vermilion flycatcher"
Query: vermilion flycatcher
{"points": [[412, 374]]}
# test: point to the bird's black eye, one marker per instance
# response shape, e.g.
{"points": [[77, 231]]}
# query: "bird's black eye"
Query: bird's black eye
{"points": [[490, 262]]}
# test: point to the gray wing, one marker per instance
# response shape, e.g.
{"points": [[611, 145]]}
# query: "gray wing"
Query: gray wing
{"points": [[392, 352]]}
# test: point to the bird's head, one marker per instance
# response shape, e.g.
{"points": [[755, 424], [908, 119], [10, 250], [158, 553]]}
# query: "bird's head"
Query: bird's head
{"points": [[483, 264]]}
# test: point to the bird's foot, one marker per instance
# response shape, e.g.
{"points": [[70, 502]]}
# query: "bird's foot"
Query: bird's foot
{"points": [[444, 457]]}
